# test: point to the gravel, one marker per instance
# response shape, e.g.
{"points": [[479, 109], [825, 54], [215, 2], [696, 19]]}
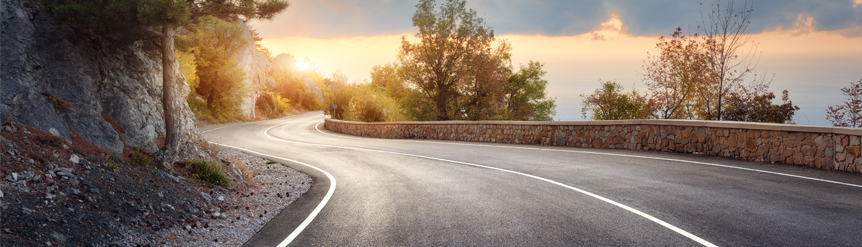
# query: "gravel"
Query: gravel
{"points": [[274, 187]]}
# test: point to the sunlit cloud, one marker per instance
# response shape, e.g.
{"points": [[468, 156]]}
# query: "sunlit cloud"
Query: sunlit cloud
{"points": [[856, 3], [609, 29], [804, 24]]}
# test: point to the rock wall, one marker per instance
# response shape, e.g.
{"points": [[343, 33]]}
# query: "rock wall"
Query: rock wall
{"points": [[256, 68], [821, 147], [41, 62]]}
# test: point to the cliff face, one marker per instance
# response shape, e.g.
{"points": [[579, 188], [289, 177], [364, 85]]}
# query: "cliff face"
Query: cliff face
{"points": [[256, 68], [65, 82]]}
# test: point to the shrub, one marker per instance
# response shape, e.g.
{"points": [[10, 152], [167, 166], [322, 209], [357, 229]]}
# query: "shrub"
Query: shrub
{"points": [[53, 140], [110, 166], [272, 105], [115, 157], [206, 170], [139, 157]]}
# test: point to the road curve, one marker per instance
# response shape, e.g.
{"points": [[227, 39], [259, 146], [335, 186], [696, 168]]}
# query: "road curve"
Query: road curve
{"points": [[373, 192]]}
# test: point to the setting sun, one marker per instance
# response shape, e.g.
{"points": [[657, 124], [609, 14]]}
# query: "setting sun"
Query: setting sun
{"points": [[300, 65]]}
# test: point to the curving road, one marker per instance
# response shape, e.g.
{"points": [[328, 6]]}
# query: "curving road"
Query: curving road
{"points": [[375, 192]]}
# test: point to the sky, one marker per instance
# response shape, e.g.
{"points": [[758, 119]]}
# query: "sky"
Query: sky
{"points": [[812, 48]]}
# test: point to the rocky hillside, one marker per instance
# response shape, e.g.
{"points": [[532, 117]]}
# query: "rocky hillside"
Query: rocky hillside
{"points": [[73, 106], [68, 83]]}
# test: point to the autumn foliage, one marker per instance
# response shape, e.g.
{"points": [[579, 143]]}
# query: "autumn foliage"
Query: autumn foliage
{"points": [[848, 114], [705, 77]]}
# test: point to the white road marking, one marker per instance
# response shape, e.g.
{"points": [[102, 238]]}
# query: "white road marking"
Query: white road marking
{"points": [[317, 209], [612, 202], [599, 153]]}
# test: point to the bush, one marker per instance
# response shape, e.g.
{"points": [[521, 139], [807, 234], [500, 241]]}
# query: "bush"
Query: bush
{"points": [[53, 140], [139, 157], [206, 170], [110, 166], [115, 157], [272, 105]]}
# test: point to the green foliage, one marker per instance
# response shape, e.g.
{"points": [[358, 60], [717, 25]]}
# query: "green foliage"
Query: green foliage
{"points": [[110, 165], [188, 68], [289, 85], [439, 63], [759, 108], [458, 70], [526, 95], [415, 106], [371, 104], [220, 77], [139, 157], [50, 139], [268, 162], [389, 78], [341, 98], [272, 105], [609, 103], [115, 157], [209, 171]]}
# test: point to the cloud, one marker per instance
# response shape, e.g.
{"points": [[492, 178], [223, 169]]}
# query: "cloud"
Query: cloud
{"points": [[609, 29], [348, 18]]}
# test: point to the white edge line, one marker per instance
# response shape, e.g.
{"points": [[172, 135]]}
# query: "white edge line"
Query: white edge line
{"points": [[317, 209], [608, 154], [612, 202]]}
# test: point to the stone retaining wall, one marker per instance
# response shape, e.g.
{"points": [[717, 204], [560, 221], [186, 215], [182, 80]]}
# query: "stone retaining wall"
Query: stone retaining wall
{"points": [[821, 147]]}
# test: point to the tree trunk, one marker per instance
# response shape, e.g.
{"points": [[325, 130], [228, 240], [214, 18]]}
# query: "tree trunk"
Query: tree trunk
{"points": [[441, 104], [172, 115]]}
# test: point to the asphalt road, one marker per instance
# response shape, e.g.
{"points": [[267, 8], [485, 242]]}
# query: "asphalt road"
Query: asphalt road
{"points": [[381, 192]]}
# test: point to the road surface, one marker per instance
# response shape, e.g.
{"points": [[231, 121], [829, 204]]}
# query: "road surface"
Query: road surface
{"points": [[382, 192]]}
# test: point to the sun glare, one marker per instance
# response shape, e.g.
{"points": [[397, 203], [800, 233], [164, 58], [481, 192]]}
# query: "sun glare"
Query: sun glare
{"points": [[301, 65]]}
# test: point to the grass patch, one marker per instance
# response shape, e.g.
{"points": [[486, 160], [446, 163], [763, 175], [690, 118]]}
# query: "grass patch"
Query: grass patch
{"points": [[110, 166], [206, 170], [270, 162], [139, 157], [49, 139], [116, 157]]}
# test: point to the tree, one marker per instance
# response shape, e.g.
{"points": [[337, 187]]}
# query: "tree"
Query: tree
{"points": [[759, 108], [481, 89], [388, 77], [677, 76], [525, 94], [725, 40], [441, 60], [220, 78], [609, 103], [160, 18], [850, 113]]}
